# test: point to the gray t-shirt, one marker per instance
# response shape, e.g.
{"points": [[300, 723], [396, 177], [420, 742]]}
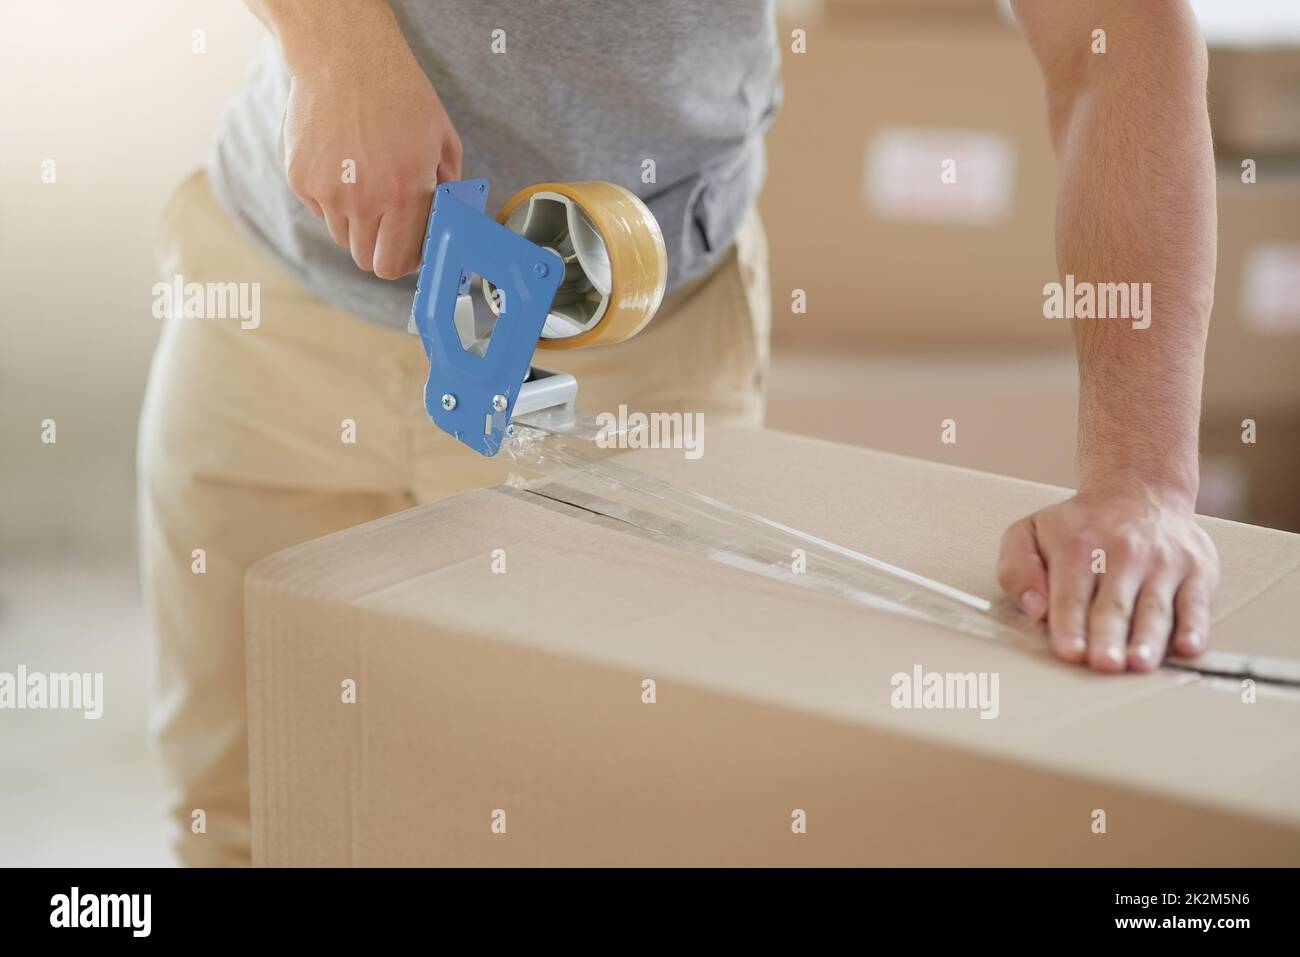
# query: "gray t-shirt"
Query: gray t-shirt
{"points": [[584, 90]]}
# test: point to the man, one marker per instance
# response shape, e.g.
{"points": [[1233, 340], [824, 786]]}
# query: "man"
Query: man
{"points": [[310, 418]]}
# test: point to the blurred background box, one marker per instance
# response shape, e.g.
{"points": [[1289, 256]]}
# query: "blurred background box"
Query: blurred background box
{"points": [[1256, 482], [1014, 413], [886, 253], [1252, 362], [1253, 352], [1255, 98]]}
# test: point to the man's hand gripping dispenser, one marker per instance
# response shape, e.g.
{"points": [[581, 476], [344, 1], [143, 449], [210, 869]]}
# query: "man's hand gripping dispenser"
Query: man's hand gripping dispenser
{"points": [[565, 265]]}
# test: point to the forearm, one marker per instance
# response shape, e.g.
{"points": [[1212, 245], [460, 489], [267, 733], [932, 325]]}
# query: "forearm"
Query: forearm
{"points": [[1136, 204], [320, 33]]}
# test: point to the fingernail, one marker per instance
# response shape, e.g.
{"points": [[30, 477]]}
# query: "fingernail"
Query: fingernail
{"points": [[1032, 603], [1143, 653], [1113, 655], [1076, 645], [1193, 640]]}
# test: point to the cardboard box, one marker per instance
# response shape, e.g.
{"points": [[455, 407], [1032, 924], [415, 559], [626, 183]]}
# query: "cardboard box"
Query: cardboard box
{"points": [[889, 256], [1014, 414], [858, 216], [1250, 467], [1252, 362], [518, 699], [1254, 95]]}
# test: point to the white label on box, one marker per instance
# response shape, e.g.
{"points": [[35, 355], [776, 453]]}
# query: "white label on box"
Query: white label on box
{"points": [[1270, 289], [939, 176]]}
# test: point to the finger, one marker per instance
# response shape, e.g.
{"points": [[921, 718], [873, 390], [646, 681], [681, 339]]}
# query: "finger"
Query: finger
{"points": [[1021, 572], [1153, 621], [1070, 584], [338, 226], [449, 165], [448, 171], [362, 234], [401, 234], [1111, 615], [1192, 615]]}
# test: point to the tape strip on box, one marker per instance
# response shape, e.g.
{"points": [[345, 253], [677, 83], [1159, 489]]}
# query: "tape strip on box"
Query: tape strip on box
{"points": [[569, 467]]}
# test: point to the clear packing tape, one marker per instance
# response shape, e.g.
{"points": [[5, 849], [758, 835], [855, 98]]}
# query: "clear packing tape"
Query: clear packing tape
{"points": [[565, 466]]}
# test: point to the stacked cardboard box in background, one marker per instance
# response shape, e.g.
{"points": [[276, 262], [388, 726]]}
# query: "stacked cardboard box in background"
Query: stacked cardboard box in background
{"points": [[901, 300], [1012, 414], [1250, 425], [1250, 431], [1255, 98], [889, 256]]}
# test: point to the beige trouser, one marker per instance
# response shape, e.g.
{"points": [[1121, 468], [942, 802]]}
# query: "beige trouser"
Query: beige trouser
{"points": [[242, 453]]}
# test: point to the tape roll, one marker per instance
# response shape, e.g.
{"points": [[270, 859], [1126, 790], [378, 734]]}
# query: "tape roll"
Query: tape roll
{"points": [[616, 266]]}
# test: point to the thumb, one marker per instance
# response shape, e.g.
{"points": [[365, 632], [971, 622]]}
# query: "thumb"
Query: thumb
{"points": [[1021, 573]]}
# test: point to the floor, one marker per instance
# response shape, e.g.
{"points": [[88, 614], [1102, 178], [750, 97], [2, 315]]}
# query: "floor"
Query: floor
{"points": [[73, 791]]}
